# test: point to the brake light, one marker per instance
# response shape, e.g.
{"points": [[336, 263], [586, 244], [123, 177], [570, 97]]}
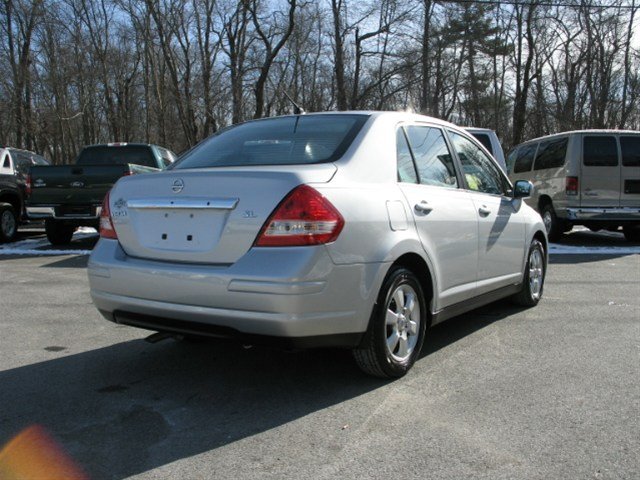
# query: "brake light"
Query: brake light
{"points": [[571, 185], [304, 217], [27, 185], [106, 225]]}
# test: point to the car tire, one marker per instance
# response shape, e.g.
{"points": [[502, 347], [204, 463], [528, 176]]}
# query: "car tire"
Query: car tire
{"points": [[8, 223], [397, 327], [631, 233], [58, 233], [554, 226], [534, 275]]}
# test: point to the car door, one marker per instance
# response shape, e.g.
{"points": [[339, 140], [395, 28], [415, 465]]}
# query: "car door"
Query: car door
{"points": [[443, 212], [501, 228]]}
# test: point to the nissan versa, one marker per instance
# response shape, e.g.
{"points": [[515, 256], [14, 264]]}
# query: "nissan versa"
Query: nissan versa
{"points": [[354, 229]]}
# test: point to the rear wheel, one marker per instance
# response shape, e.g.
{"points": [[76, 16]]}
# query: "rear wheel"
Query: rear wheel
{"points": [[534, 274], [8, 223], [632, 233], [58, 233], [397, 327]]}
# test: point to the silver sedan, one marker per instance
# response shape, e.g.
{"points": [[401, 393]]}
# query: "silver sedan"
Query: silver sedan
{"points": [[354, 229]]}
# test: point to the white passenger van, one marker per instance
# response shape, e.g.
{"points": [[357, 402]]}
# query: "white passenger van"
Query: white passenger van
{"points": [[586, 177]]}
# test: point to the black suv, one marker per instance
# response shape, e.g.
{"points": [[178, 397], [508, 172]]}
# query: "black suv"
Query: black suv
{"points": [[14, 168]]}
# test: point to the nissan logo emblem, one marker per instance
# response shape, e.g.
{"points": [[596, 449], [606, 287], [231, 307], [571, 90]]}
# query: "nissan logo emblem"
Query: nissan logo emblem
{"points": [[177, 186]]}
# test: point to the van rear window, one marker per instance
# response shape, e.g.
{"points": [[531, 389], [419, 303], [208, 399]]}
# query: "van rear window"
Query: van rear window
{"points": [[599, 151], [292, 140], [630, 151], [551, 154]]}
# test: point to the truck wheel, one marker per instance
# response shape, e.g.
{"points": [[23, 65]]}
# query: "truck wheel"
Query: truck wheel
{"points": [[397, 327], [555, 227], [58, 233], [631, 233], [8, 223]]}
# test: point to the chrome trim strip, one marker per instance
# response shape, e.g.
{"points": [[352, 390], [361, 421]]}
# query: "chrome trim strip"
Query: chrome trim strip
{"points": [[183, 204], [40, 212]]}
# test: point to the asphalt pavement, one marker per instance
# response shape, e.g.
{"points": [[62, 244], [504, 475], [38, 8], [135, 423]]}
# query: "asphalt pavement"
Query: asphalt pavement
{"points": [[551, 392]]}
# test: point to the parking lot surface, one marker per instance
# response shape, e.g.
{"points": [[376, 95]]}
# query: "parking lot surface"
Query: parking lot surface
{"points": [[500, 393]]}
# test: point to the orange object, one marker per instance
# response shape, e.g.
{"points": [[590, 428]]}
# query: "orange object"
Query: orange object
{"points": [[34, 455]]}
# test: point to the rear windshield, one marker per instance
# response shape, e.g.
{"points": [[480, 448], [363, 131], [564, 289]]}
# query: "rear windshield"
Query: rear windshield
{"points": [[303, 139], [484, 139], [104, 155]]}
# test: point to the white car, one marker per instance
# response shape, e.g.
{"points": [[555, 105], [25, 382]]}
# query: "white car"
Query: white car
{"points": [[351, 229]]}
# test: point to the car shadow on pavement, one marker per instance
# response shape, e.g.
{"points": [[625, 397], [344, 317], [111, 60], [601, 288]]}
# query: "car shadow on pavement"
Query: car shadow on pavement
{"points": [[132, 407]]}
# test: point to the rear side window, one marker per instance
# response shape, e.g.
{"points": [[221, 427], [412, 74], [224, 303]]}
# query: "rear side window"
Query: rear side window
{"points": [[295, 140], [524, 160], [104, 155], [630, 151], [406, 168], [599, 151], [432, 156], [551, 154]]}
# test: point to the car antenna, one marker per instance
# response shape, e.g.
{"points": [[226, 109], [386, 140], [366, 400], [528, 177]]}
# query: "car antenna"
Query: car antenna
{"points": [[297, 109]]}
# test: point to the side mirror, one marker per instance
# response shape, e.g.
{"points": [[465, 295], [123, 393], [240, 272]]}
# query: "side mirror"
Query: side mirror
{"points": [[522, 189]]}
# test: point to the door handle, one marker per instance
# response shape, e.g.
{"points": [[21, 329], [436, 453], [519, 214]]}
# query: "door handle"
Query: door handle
{"points": [[484, 211], [423, 207]]}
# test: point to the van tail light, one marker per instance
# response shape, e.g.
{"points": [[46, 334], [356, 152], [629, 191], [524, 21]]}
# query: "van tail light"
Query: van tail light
{"points": [[27, 185], [304, 217], [571, 185], [106, 225]]}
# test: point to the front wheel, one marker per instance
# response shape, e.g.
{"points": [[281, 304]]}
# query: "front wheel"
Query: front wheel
{"points": [[554, 226], [534, 274], [8, 223], [397, 327]]}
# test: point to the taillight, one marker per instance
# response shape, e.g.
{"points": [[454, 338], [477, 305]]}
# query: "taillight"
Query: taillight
{"points": [[106, 225], [571, 185], [304, 217], [27, 185]]}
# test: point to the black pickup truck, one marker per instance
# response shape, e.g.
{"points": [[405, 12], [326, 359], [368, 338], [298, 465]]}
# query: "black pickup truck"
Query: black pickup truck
{"points": [[70, 196], [14, 168]]}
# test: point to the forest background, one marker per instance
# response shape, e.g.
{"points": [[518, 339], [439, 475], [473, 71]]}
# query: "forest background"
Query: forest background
{"points": [[172, 72]]}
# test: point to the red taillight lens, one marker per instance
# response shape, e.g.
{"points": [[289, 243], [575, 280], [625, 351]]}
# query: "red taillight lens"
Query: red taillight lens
{"points": [[304, 217], [571, 185], [106, 225], [27, 185]]}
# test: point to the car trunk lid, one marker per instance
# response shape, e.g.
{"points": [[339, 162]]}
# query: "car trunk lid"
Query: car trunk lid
{"points": [[208, 216]]}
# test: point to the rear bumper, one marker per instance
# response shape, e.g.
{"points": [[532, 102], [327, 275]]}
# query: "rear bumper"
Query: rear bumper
{"points": [[296, 294], [39, 213], [604, 214]]}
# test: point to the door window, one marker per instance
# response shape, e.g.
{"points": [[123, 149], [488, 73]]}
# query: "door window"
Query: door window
{"points": [[480, 173], [600, 151], [630, 151], [551, 154], [406, 168], [432, 156]]}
